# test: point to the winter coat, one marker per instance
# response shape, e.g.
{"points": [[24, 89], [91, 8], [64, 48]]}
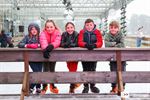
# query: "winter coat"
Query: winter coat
{"points": [[47, 38], [114, 40], [28, 40], [71, 39], [4, 40], [93, 37]]}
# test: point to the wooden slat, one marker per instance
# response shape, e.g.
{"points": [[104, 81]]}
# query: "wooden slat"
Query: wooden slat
{"points": [[11, 77], [78, 77], [101, 96], [66, 97], [76, 54]]}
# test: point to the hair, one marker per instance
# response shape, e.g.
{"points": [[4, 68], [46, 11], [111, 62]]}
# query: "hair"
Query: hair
{"points": [[68, 24], [36, 26], [88, 21], [115, 23], [51, 21]]}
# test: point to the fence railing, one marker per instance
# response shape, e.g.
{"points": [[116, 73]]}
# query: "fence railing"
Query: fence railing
{"points": [[131, 41], [73, 54]]}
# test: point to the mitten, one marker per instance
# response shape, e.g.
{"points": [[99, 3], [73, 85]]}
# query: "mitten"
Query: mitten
{"points": [[49, 48], [46, 54], [11, 46]]}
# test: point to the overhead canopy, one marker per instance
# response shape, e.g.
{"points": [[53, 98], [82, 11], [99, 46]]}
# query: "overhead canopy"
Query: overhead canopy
{"points": [[56, 8]]}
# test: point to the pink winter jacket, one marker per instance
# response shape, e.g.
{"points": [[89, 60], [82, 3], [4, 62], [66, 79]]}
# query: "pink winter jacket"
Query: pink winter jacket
{"points": [[47, 38]]}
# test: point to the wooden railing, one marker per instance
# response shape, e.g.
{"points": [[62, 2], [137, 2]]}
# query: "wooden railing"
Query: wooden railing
{"points": [[131, 41], [74, 54]]}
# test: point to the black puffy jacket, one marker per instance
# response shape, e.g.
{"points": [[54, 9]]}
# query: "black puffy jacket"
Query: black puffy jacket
{"points": [[70, 39]]}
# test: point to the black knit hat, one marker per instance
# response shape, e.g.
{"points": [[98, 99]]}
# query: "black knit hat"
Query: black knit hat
{"points": [[33, 25]]}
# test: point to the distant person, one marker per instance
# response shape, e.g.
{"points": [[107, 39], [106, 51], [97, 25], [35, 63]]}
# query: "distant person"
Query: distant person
{"points": [[90, 38], [70, 40], [115, 39], [32, 41], [50, 39], [139, 36], [5, 40]]}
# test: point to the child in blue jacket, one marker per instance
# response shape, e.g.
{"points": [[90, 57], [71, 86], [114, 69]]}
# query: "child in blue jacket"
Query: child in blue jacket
{"points": [[32, 41]]}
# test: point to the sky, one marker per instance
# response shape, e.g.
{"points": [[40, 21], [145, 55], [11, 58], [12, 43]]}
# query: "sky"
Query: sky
{"points": [[135, 7], [138, 7]]}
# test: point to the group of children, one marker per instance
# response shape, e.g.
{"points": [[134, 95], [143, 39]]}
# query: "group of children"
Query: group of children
{"points": [[89, 37]]}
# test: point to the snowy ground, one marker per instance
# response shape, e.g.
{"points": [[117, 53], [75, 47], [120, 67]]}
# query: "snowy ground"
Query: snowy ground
{"points": [[64, 88]]}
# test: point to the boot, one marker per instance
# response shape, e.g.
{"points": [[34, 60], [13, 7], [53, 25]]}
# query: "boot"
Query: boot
{"points": [[31, 91], [77, 85], [114, 90], [53, 89], [72, 88], [38, 91], [43, 91], [94, 89], [86, 88]]}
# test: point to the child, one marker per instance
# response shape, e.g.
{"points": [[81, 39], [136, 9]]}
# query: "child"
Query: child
{"points": [[115, 39], [32, 41], [139, 37], [69, 40], [90, 38], [50, 38], [4, 40]]}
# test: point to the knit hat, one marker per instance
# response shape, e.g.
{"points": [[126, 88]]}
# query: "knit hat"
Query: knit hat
{"points": [[33, 25]]}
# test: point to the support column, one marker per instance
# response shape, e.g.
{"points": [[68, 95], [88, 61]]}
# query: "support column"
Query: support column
{"points": [[123, 16]]}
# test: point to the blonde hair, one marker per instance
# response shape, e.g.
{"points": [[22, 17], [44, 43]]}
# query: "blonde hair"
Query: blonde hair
{"points": [[114, 23], [51, 21]]}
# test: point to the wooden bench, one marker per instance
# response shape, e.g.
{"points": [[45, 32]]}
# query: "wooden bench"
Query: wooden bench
{"points": [[73, 54]]}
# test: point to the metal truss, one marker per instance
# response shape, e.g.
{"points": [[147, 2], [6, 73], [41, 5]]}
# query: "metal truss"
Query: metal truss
{"points": [[54, 8]]}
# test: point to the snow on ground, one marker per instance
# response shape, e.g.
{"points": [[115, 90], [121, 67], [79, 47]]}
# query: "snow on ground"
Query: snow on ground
{"points": [[64, 88]]}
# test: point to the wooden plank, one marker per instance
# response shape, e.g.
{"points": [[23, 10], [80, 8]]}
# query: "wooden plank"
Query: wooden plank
{"points": [[66, 97], [68, 77], [101, 96], [11, 77], [11, 56], [76, 54], [135, 55]]}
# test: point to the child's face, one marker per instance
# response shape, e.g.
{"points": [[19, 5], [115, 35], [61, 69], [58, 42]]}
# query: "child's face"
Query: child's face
{"points": [[34, 31], [50, 27], [113, 30], [70, 28], [89, 26]]}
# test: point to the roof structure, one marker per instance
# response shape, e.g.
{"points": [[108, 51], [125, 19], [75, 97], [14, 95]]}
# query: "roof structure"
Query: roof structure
{"points": [[58, 8]]}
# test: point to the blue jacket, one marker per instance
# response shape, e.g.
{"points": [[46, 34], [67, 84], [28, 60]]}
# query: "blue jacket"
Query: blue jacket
{"points": [[28, 40]]}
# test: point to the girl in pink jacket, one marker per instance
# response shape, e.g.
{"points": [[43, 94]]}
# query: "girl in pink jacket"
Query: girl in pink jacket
{"points": [[50, 39]]}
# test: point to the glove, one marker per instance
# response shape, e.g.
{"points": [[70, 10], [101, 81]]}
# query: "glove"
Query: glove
{"points": [[72, 45], [11, 45], [66, 45], [33, 46], [46, 54], [49, 48], [113, 43], [90, 46]]}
